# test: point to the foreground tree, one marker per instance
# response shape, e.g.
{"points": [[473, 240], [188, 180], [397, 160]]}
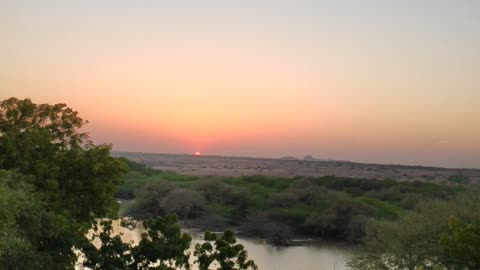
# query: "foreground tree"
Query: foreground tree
{"points": [[69, 181], [72, 175], [162, 246], [58, 186], [223, 253], [30, 236]]}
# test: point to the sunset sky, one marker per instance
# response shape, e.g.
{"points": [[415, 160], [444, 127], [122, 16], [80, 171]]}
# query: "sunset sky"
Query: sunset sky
{"points": [[366, 81]]}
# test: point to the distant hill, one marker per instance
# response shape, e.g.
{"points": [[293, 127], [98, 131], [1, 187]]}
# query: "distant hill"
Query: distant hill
{"points": [[289, 158], [311, 158]]}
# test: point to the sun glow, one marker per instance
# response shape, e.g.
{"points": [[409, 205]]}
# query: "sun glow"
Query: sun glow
{"points": [[197, 154]]}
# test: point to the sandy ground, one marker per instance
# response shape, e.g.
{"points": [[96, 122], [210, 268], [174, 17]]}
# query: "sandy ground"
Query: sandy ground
{"points": [[239, 166]]}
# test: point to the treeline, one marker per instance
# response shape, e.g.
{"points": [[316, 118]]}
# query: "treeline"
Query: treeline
{"points": [[277, 209]]}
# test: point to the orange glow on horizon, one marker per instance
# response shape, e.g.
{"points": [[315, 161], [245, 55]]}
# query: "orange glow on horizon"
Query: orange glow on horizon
{"points": [[241, 85]]}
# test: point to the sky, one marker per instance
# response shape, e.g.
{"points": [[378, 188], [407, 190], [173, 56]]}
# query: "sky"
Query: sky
{"points": [[394, 82]]}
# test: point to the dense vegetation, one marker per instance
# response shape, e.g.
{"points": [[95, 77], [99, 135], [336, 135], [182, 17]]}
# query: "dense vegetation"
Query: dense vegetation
{"points": [[330, 208], [56, 185], [437, 235], [399, 225]]}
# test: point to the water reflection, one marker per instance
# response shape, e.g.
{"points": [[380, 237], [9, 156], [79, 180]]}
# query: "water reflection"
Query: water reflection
{"points": [[309, 256], [306, 257]]}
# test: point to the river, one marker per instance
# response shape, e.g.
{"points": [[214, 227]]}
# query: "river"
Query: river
{"points": [[308, 256]]}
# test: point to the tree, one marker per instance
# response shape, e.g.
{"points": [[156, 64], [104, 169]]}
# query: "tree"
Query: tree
{"points": [[149, 198], [113, 253], [162, 246], [404, 244], [30, 236], [71, 174], [437, 235], [342, 220], [160, 198], [461, 244], [275, 232], [60, 185], [213, 189], [183, 202], [68, 182], [222, 252]]}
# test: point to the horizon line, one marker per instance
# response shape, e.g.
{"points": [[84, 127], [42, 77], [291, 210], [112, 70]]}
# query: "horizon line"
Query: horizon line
{"points": [[300, 159]]}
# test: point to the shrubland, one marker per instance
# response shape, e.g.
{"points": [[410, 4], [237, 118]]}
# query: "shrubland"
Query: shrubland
{"points": [[396, 225], [277, 209]]}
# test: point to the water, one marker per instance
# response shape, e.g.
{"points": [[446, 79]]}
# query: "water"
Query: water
{"points": [[309, 256], [312, 256]]}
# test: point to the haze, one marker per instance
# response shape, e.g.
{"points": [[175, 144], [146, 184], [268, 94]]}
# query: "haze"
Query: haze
{"points": [[367, 81]]}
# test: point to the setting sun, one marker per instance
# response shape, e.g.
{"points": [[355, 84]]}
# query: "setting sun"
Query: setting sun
{"points": [[350, 124]]}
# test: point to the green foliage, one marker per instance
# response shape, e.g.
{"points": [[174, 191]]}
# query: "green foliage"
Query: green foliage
{"points": [[68, 183], [461, 244], [113, 253], [438, 235], [30, 236], [384, 210], [330, 207], [223, 252], [340, 220], [459, 179], [160, 198], [139, 167], [183, 202], [162, 246], [275, 232], [71, 174], [88, 182], [134, 179]]}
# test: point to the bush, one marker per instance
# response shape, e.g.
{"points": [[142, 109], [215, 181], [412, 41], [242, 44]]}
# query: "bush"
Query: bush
{"points": [[213, 190], [344, 220], [459, 179], [183, 202], [148, 200], [437, 235], [282, 200], [304, 190], [261, 226], [330, 207]]}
